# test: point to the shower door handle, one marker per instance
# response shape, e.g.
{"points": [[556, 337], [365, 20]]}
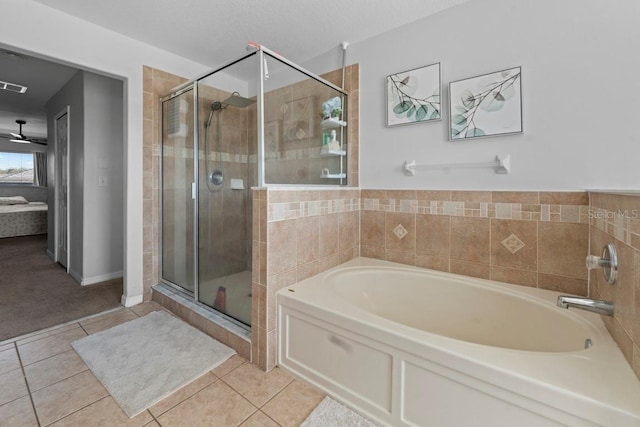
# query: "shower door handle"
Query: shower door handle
{"points": [[193, 190]]}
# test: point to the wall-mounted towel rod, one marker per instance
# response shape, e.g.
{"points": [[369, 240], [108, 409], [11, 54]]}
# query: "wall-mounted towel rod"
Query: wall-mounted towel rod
{"points": [[501, 165]]}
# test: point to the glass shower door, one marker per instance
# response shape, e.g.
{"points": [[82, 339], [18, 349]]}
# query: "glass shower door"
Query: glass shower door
{"points": [[226, 141], [177, 201]]}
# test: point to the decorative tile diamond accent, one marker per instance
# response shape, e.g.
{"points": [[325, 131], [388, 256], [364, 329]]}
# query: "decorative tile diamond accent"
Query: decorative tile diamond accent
{"points": [[400, 231], [513, 244]]}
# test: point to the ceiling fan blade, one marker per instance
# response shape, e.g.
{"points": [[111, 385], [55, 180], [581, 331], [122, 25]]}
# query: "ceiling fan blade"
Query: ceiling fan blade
{"points": [[16, 135]]}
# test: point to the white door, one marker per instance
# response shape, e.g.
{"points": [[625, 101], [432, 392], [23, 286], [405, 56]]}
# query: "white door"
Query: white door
{"points": [[62, 187]]}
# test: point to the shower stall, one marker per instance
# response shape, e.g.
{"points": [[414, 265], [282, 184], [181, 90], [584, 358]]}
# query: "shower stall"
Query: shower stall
{"points": [[257, 121]]}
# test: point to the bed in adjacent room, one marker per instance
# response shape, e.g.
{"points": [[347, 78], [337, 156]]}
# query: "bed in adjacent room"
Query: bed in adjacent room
{"points": [[19, 217]]}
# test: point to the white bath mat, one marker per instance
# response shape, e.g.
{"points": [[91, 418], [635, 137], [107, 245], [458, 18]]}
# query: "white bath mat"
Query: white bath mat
{"points": [[145, 360], [330, 413]]}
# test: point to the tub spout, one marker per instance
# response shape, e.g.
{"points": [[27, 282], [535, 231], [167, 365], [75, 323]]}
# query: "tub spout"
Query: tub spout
{"points": [[594, 305]]}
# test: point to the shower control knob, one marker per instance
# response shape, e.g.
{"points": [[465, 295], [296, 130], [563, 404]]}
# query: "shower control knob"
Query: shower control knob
{"points": [[593, 262], [216, 177]]}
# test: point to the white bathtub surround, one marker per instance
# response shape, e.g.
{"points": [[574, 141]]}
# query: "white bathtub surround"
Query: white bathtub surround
{"points": [[377, 336]]}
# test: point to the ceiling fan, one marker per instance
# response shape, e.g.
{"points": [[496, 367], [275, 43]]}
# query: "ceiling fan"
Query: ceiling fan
{"points": [[22, 139]]}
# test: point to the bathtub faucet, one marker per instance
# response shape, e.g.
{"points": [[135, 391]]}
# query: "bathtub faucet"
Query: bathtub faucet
{"points": [[594, 305]]}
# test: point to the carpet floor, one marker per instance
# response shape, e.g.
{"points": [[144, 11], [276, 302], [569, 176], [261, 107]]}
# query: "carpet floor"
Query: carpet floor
{"points": [[37, 293]]}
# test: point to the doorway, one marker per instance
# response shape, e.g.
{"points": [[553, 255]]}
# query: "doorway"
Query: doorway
{"points": [[61, 141]]}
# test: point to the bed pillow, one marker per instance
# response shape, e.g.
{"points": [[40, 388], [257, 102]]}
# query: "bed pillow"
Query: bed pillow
{"points": [[13, 200]]}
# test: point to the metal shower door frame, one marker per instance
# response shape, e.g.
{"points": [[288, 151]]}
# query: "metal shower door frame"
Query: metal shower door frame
{"points": [[263, 53]]}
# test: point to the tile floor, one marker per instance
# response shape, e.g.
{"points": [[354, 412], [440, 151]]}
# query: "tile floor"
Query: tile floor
{"points": [[43, 382]]}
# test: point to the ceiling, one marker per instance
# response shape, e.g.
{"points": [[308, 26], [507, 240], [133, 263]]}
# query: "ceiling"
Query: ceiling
{"points": [[43, 79], [210, 32]]}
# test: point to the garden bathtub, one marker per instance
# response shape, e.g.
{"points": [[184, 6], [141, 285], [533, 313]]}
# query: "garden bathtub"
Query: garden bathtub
{"points": [[409, 346]]}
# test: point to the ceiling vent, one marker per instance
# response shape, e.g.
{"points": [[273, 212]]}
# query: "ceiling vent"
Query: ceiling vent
{"points": [[12, 87]]}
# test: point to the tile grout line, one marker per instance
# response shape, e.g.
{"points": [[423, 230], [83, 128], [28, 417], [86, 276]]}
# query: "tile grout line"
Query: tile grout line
{"points": [[217, 378], [34, 334], [63, 379], [24, 376], [80, 409], [154, 418], [186, 398], [258, 408], [273, 397]]}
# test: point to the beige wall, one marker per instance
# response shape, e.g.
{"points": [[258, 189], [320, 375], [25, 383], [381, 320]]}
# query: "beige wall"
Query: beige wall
{"points": [[616, 219], [536, 239], [297, 234]]}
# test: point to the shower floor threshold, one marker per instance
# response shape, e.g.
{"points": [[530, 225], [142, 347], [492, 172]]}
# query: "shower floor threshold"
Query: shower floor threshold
{"points": [[213, 316]]}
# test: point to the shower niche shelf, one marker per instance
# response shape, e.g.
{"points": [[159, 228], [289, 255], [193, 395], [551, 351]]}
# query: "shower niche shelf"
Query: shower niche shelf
{"points": [[334, 176], [332, 123], [333, 153]]}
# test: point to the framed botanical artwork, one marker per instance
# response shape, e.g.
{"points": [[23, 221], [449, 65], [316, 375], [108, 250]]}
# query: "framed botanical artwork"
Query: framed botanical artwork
{"points": [[414, 96], [298, 119], [486, 105]]}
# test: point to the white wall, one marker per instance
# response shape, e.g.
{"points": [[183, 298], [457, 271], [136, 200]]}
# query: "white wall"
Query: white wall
{"points": [[580, 67], [103, 157], [72, 95], [61, 37]]}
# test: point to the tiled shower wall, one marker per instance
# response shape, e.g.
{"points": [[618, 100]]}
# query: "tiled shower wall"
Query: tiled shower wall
{"points": [[297, 159], [156, 84], [536, 239], [224, 216], [297, 234], [615, 218]]}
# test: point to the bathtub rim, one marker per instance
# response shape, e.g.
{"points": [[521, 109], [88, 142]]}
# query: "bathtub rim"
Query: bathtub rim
{"points": [[492, 286], [508, 369]]}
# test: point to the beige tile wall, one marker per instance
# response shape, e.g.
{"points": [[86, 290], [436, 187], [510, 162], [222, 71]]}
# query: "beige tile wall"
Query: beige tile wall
{"points": [[615, 218], [297, 234], [224, 216], [329, 215], [156, 84], [536, 239], [291, 160]]}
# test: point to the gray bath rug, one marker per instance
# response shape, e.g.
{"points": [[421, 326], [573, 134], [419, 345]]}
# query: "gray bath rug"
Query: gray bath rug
{"points": [[145, 360], [330, 413]]}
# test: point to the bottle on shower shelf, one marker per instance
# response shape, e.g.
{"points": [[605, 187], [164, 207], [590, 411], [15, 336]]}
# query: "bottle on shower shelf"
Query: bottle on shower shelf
{"points": [[329, 143], [334, 144]]}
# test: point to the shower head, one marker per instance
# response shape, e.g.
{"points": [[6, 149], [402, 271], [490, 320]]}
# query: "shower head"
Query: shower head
{"points": [[215, 106], [235, 100]]}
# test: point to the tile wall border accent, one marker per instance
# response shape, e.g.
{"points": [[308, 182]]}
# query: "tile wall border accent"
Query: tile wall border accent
{"points": [[441, 203], [621, 224]]}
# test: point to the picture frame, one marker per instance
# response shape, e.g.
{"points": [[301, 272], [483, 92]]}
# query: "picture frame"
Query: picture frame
{"points": [[413, 96], [486, 105]]}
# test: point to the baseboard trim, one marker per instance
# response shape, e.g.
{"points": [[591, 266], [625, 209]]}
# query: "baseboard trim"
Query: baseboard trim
{"points": [[75, 276], [101, 278], [51, 255], [130, 301]]}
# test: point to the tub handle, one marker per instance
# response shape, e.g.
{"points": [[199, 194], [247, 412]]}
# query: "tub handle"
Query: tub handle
{"points": [[333, 339]]}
